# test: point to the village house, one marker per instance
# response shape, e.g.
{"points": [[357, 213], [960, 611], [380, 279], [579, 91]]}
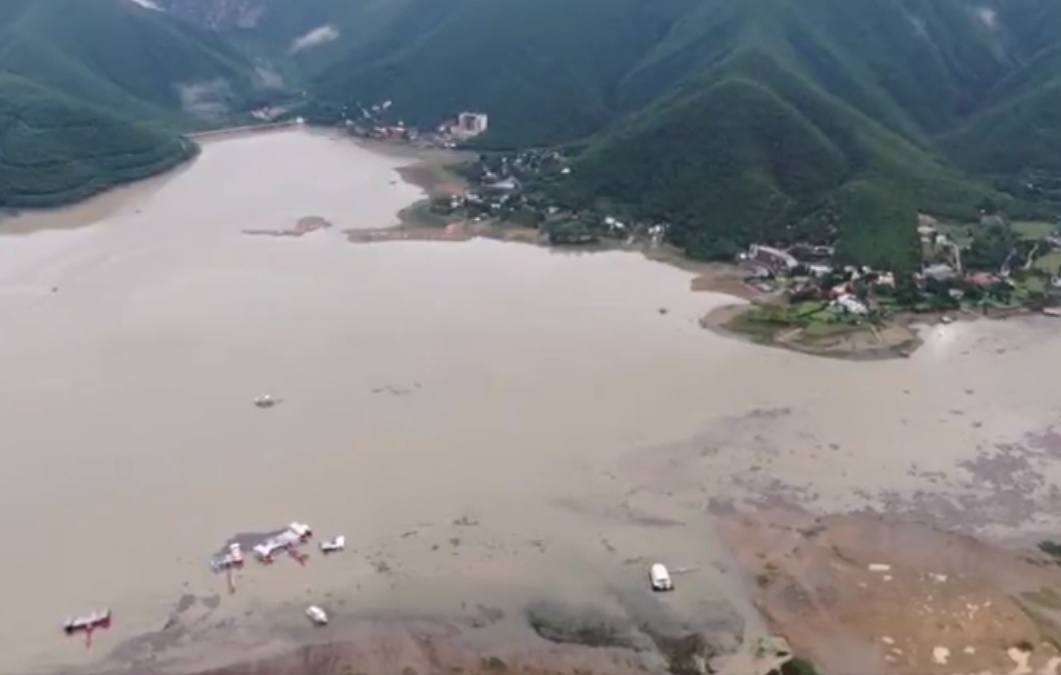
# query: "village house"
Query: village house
{"points": [[982, 279], [505, 185], [774, 258], [849, 304], [940, 272]]}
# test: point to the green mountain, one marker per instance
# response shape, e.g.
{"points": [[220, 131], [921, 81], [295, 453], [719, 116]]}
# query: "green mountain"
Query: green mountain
{"points": [[734, 120], [94, 92], [54, 150], [299, 38], [129, 59], [742, 120]]}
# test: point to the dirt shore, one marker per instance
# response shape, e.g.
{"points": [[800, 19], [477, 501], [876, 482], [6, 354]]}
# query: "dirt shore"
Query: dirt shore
{"points": [[862, 594], [429, 169], [458, 231]]}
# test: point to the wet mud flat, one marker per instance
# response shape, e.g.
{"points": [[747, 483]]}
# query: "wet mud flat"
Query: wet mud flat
{"points": [[633, 634], [869, 594]]}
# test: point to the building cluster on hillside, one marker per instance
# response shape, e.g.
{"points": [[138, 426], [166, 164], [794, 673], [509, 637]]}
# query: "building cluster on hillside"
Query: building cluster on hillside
{"points": [[995, 267], [508, 187], [379, 122], [466, 125], [527, 188]]}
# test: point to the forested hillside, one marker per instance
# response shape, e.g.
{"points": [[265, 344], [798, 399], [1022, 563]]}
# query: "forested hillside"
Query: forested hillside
{"points": [[749, 119], [117, 55], [94, 92], [300, 38], [54, 150]]}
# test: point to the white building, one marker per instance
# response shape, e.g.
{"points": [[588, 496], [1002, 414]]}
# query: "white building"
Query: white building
{"points": [[471, 124], [772, 257], [850, 304]]}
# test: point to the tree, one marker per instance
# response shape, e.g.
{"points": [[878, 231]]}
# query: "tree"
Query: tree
{"points": [[906, 291]]}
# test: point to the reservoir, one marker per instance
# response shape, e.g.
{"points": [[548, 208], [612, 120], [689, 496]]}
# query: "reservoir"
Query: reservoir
{"points": [[485, 422]]}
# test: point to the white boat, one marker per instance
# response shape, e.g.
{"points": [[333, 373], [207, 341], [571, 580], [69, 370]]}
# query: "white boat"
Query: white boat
{"points": [[232, 558], [264, 401], [317, 615], [659, 577], [88, 622], [295, 534], [334, 546]]}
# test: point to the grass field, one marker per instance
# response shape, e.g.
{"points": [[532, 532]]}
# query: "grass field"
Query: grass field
{"points": [[1032, 229], [1051, 262]]}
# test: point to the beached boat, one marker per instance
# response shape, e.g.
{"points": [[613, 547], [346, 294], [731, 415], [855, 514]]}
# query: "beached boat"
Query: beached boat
{"points": [[87, 622], [231, 559], [294, 535], [333, 546]]}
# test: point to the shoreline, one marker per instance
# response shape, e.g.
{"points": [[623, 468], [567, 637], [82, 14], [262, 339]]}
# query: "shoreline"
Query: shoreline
{"points": [[99, 202], [105, 200], [430, 170]]}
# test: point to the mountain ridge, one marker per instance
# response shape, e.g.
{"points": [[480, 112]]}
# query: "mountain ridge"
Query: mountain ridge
{"points": [[97, 93], [55, 150], [737, 120], [910, 94]]}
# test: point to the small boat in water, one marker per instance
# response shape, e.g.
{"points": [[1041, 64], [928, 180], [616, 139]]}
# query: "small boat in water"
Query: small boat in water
{"points": [[265, 401], [317, 615]]}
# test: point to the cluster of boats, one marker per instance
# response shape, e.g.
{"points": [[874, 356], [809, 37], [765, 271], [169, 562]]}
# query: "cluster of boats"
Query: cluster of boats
{"points": [[289, 540]]}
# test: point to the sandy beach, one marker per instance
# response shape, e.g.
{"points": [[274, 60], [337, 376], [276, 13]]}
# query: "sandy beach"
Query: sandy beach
{"points": [[491, 425]]}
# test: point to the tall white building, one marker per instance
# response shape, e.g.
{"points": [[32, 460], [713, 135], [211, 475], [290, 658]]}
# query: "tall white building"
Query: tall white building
{"points": [[472, 124]]}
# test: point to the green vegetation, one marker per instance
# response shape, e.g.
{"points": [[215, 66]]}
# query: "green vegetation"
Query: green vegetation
{"points": [[131, 61], [1045, 597], [734, 121], [1052, 549], [1032, 229], [812, 320], [829, 121], [1050, 263], [54, 150], [92, 94]]}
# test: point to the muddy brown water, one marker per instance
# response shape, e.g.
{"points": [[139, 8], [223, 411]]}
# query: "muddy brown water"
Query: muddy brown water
{"points": [[487, 423]]}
